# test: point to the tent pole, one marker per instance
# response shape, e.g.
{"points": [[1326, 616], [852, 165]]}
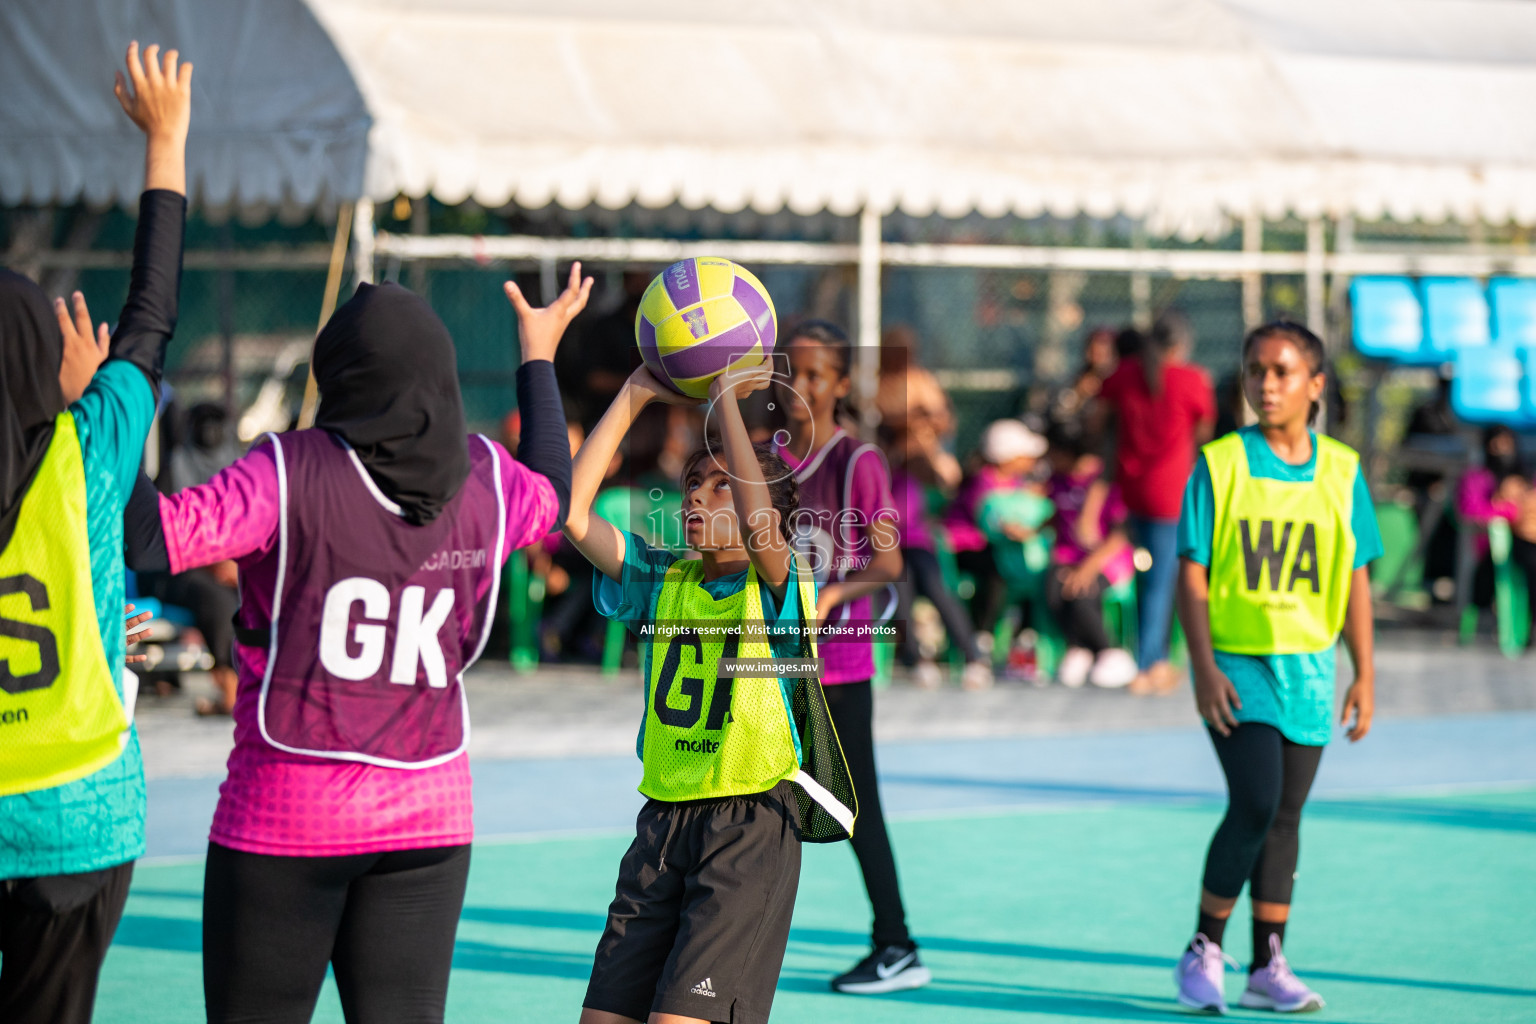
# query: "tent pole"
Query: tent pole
{"points": [[1317, 308], [362, 232], [1141, 281], [1253, 281], [227, 325], [327, 306], [866, 383]]}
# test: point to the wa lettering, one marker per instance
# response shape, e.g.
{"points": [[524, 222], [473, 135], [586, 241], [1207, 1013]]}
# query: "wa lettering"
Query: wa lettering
{"points": [[29, 633], [357, 652], [688, 682], [1262, 555]]}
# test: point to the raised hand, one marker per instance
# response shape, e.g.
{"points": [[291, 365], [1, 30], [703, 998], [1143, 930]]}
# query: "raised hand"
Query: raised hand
{"points": [[742, 382], [539, 329], [157, 96], [84, 349], [644, 381]]}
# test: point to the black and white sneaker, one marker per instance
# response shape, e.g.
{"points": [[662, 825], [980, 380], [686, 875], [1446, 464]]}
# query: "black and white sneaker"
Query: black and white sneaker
{"points": [[891, 969]]}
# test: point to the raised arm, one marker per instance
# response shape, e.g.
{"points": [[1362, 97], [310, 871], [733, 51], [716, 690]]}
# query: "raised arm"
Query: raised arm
{"points": [[156, 96], [599, 540], [760, 531], [543, 446]]}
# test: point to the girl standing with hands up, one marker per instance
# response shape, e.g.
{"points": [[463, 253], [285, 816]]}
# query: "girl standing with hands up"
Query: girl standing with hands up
{"points": [[370, 549], [1276, 535], [77, 408]]}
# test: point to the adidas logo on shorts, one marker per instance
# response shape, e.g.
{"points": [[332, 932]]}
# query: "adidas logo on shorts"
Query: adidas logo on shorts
{"points": [[703, 988]]}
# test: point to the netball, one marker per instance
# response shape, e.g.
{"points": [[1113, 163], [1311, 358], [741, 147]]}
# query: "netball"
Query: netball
{"points": [[701, 317]]}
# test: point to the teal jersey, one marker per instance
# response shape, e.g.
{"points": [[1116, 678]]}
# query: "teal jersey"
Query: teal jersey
{"points": [[1306, 680], [97, 821], [632, 601]]}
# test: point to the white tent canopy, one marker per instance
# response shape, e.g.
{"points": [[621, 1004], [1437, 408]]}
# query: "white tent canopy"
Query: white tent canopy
{"points": [[1183, 112]]}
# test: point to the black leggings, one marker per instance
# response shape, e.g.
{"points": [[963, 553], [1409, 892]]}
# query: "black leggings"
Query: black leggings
{"points": [[54, 934], [853, 707], [991, 589], [1082, 617], [924, 577], [1268, 778], [384, 921]]}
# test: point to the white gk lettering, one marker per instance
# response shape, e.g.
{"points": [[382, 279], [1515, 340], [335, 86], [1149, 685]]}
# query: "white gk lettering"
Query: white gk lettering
{"points": [[416, 632], [1262, 554]]}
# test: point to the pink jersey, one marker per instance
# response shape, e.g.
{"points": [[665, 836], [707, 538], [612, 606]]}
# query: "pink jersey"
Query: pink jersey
{"points": [[279, 803], [846, 487]]}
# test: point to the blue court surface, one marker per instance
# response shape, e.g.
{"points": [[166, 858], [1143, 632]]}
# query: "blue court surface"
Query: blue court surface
{"points": [[1047, 879]]}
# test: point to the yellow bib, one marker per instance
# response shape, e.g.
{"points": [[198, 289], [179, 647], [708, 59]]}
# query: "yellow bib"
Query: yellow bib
{"points": [[708, 736], [60, 715], [1282, 552]]}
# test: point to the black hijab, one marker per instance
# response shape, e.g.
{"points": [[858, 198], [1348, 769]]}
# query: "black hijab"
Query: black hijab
{"points": [[389, 386], [31, 353]]}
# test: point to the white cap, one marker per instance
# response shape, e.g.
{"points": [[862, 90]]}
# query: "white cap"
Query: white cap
{"points": [[1006, 440]]}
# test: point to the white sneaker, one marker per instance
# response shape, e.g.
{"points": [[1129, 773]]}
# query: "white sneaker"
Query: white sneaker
{"points": [[1113, 668], [927, 676], [1073, 670], [976, 676]]}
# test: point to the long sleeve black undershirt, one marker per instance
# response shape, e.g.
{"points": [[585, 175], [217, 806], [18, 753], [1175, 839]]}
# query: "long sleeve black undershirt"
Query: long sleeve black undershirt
{"points": [[544, 446], [143, 534], [148, 318]]}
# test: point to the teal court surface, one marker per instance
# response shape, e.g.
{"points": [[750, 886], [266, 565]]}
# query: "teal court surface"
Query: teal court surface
{"points": [[1048, 878]]}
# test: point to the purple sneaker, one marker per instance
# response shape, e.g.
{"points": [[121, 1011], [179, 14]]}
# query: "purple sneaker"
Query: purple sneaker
{"points": [[1274, 987], [1199, 976]]}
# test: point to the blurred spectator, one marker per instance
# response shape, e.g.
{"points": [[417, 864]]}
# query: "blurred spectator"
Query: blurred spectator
{"points": [[907, 390], [1231, 406], [1163, 409], [1009, 451], [1128, 342], [594, 364], [1091, 554], [1431, 448], [919, 461], [1500, 489], [1100, 358], [571, 625], [207, 446]]}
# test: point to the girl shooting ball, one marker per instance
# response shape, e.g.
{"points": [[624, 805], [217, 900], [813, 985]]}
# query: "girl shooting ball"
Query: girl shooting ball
{"points": [[737, 770], [1276, 535]]}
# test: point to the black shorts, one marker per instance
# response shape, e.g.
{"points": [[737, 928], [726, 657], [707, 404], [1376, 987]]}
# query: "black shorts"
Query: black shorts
{"points": [[700, 915]]}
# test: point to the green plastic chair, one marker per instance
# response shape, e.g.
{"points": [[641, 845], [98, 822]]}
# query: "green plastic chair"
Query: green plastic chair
{"points": [[525, 610], [1022, 565], [1400, 569], [1511, 597], [1120, 612]]}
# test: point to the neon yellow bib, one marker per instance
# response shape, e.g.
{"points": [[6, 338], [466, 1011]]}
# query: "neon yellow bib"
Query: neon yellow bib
{"points": [[1282, 552], [60, 716], [707, 736]]}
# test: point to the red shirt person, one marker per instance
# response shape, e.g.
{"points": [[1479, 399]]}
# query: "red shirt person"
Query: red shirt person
{"points": [[1164, 410]]}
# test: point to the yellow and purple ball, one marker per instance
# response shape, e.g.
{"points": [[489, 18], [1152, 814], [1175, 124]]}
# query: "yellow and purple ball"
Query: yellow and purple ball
{"points": [[701, 317]]}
